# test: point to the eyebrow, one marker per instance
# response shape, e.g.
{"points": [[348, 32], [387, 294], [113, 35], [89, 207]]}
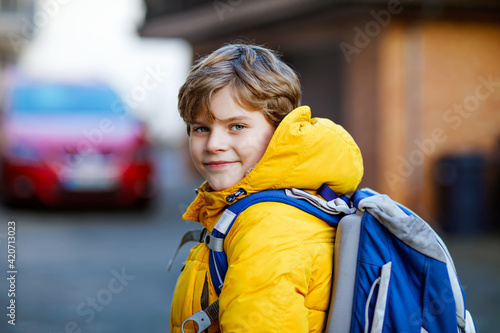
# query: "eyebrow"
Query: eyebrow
{"points": [[226, 120], [230, 119]]}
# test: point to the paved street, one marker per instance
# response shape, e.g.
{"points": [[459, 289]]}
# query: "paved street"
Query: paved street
{"points": [[97, 271], [105, 271]]}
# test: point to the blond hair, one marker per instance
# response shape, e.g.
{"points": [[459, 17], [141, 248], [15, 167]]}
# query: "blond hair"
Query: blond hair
{"points": [[259, 81]]}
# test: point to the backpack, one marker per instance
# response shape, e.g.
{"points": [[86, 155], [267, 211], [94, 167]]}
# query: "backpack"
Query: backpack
{"points": [[392, 272]]}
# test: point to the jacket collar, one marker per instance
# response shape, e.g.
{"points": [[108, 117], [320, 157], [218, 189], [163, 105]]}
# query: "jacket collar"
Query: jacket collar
{"points": [[295, 157]]}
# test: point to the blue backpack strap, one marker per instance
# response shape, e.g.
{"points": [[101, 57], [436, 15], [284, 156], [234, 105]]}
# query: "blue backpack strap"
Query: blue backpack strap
{"points": [[218, 259], [328, 194], [281, 196]]}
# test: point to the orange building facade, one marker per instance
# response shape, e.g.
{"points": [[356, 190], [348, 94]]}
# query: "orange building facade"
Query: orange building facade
{"points": [[438, 94]]}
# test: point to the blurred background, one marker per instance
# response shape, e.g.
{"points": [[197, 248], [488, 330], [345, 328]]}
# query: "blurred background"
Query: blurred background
{"points": [[94, 169]]}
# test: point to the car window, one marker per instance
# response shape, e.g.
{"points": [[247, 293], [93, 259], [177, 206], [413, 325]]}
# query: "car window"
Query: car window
{"points": [[63, 99]]}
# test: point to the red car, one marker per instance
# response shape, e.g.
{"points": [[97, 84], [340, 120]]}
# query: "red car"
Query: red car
{"points": [[72, 144]]}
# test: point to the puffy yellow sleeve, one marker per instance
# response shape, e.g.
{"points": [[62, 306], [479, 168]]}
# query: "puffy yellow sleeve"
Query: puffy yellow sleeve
{"points": [[269, 274]]}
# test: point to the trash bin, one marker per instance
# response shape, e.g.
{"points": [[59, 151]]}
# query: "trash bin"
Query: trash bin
{"points": [[461, 193]]}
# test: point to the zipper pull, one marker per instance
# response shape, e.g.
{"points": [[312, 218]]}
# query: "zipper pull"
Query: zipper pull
{"points": [[230, 198]]}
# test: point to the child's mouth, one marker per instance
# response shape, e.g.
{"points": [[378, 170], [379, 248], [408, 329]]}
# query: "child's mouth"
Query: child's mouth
{"points": [[219, 164]]}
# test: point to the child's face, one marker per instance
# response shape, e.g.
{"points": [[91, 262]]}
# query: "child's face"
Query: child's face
{"points": [[224, 150]]}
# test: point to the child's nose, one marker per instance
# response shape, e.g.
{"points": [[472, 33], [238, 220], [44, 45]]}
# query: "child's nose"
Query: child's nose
{"points": [[218, 141]]}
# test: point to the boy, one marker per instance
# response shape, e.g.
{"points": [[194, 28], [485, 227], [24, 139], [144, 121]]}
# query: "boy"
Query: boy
{"points": [[247, 134]]}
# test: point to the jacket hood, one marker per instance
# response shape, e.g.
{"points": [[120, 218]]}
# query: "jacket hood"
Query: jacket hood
{"points": [[303, 153]]}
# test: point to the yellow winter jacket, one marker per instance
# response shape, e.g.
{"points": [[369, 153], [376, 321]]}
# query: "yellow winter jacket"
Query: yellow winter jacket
{"points": [[280, 258]]}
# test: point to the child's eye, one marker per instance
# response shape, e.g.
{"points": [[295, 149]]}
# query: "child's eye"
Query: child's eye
{"points": [[201, 129], [237, 127]]}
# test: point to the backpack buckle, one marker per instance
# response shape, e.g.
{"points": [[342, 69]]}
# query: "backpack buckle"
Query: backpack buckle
{"points": [[212, 242]]}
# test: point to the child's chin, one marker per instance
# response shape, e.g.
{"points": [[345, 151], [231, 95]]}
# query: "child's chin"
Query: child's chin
{"points": [[221, 185]]}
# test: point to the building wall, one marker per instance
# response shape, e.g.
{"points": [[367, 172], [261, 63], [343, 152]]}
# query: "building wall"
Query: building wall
{"points": [[362, 105], [460, 58], [434, 101], [394, 88]]}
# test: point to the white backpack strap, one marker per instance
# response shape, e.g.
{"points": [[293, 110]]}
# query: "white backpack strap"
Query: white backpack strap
{"points": [[345, 260], [469, 323], [204, 318], [381, 300], [334, 207], [190, 236], [455, 286]]}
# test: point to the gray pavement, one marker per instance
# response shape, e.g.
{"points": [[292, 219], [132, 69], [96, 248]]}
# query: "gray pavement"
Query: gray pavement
{"points": [[98, 271], [105, 271], [477, 261]]}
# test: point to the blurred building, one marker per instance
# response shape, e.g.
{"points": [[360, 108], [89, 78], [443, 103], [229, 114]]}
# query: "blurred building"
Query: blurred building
{"points": [[16, 28], [411, 80]]}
